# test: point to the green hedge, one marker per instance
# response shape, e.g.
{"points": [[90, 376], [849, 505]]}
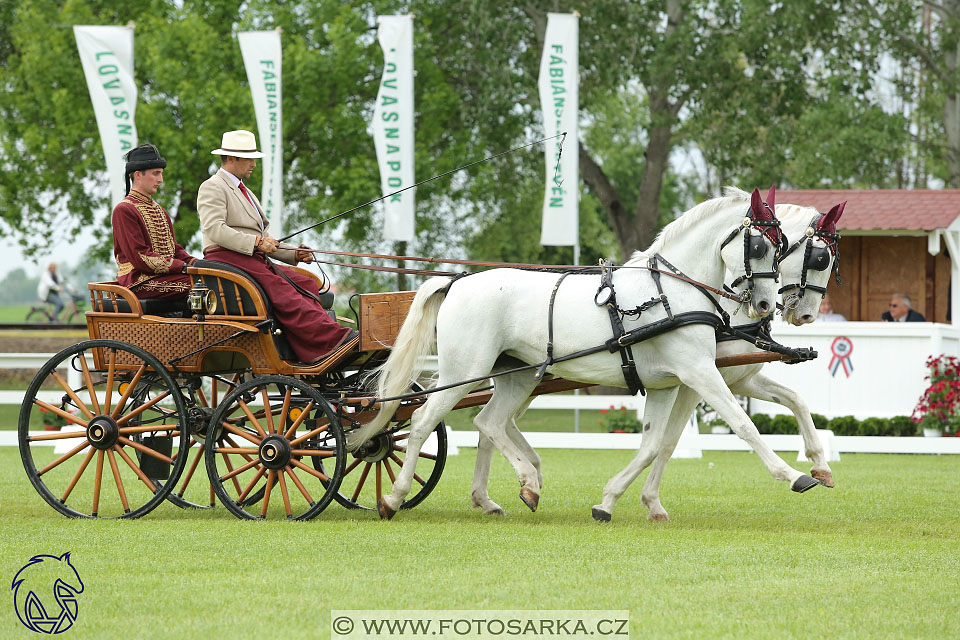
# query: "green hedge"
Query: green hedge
{"points": [[841, 425]]}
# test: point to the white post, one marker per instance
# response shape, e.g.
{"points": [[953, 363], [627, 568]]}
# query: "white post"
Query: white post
{"points": [[953, 244], [576, 392]]}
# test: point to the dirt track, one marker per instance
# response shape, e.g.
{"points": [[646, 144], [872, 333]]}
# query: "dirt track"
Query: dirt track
{"points": [[31, 342], [37, 342]]}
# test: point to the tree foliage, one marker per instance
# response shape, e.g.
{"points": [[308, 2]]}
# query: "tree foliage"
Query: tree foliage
{"points": [[758, 93]]}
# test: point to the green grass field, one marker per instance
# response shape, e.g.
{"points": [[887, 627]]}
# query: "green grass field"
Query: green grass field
{"points": [[742, 557], [14, 313]]}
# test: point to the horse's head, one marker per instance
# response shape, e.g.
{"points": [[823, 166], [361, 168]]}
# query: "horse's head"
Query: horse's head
{"points": [[806, 265], [45, 567], [753, 260]]}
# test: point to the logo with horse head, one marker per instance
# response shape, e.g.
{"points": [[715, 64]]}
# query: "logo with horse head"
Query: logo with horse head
{"points": [[45, 593]]}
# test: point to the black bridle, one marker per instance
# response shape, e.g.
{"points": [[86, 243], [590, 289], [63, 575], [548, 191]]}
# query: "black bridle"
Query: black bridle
{"points": [[755, 247], [814, 258]]}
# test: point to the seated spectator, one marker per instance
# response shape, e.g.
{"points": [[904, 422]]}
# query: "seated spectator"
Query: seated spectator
{"points": [[826, 311], [900, 310]]}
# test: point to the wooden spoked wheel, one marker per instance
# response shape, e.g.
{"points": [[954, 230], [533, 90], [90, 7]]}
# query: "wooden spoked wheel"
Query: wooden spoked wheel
{"points": [[201, 394], [116, 456], [373, 468], [261, 444]]}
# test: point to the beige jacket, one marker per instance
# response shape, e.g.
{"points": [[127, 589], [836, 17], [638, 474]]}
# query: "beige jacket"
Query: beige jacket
{"points": [[227, 220]]}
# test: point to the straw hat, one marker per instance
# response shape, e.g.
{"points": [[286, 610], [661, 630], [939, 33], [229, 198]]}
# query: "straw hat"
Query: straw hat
{"points": [[240, 144]]}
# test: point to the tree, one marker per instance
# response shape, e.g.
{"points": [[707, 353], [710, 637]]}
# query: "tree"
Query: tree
{"points": [[187, 66], [757, 88], [923, 36]]}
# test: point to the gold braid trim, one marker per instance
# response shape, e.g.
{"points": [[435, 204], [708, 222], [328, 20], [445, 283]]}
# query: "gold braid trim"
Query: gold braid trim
{"points": [[155, 285], [158, 232]]}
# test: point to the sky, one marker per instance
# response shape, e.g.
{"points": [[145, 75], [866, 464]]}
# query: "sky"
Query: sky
{"points": [[66, 252]]}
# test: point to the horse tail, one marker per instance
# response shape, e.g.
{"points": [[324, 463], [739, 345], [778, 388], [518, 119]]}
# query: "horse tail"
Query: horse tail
{"points": [[404, 364]]}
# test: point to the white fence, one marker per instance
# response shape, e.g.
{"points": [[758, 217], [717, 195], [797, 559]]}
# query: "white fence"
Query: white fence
{"points": [[884, 373], [691, 444]]}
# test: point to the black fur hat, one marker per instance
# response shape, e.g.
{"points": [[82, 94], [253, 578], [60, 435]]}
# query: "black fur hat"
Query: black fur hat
{"points": [[141, 158]]}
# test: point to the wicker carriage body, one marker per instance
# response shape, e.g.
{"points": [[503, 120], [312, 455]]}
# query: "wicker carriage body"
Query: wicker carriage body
{"points": [[239, 334]]}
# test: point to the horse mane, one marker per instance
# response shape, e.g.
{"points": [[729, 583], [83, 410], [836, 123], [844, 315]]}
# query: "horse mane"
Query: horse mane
{"points": [[689, 220]]}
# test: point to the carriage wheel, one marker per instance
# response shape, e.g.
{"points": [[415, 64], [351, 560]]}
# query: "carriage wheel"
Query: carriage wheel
{"points": [[260, 444], [114, 456], [374, 467], [193, 490]]}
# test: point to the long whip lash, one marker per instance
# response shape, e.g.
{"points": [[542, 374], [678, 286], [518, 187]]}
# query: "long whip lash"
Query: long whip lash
{"points": [[556, 171], [446, 173]]}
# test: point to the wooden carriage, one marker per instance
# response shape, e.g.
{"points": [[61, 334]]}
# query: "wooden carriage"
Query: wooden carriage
{"points": [[165, 387]]}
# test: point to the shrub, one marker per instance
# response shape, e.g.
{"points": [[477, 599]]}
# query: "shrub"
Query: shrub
{"points": [[621, 419], [844, 426], [784, 424], [762, 422], [902, 426], [874, 427], [820, 421]]}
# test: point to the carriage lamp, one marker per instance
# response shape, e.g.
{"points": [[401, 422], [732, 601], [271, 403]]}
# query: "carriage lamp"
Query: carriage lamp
{"points": [[201, 299]]}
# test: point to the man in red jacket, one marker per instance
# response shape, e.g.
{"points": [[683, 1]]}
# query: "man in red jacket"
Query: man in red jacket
{"points": [[149, 260]]}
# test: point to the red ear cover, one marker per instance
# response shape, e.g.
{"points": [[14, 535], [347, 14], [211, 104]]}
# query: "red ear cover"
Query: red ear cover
{"points": [[828, 223], [761, 212], [756, 203]]}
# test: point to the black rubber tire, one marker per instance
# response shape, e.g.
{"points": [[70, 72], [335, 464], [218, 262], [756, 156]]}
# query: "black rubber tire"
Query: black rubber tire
{"points": [[38, 314]]}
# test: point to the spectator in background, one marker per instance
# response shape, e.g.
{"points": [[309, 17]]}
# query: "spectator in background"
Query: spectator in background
{"points": [[826, 311], [51, 284], [900, 310]]}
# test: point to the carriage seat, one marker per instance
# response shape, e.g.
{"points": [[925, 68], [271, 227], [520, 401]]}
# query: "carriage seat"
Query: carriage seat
{"points": [[245, 305], [233, 300], [148, 306]]}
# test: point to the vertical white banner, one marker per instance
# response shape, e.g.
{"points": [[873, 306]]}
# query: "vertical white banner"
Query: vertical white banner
{"points": [[559, 99], [106, 54], [262, 58], [393, 125]]}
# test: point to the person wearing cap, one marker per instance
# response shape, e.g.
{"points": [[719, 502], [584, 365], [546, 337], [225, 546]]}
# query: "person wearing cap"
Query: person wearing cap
{"points": [[235, 231], [150, 262]]}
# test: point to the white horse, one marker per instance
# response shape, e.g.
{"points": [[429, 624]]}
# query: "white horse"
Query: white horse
{"points": [[502, 315], [804, 274], [805, 271]]}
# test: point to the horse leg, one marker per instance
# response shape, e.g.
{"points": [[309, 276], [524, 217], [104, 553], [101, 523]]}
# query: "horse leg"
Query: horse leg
{"points": [[510, 395], [423, 421], [763, 388], [656, 411], [707, 381], [479, 497], [683, 406], [508, 389]]}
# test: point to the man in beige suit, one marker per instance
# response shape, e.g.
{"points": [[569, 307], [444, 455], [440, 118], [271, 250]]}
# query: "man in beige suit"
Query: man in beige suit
{"points": [[234, 231]]}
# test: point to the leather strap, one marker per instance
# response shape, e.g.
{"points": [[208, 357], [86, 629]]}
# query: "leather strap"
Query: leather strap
{"points": [[627, 364]]}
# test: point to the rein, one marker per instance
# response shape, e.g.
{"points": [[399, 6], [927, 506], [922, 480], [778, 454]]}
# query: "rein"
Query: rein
{"points": [[496, 265]]}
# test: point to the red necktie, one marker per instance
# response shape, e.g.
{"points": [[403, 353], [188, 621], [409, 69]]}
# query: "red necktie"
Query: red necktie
{"points": [[246, 194], [243, 190]]}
